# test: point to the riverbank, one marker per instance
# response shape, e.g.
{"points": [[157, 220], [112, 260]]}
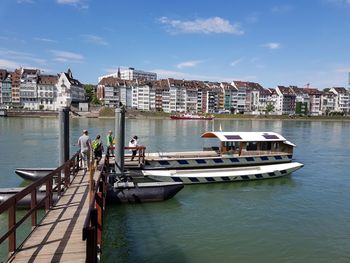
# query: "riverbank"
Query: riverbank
{"points": [[23, 113], [134, 114], [162, 115]]}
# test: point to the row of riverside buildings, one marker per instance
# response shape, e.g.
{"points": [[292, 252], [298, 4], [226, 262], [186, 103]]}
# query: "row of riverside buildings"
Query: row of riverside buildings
{"points": [[30, 89], [173, 95]]}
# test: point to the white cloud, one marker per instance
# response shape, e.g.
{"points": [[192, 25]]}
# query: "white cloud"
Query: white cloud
{"points": [[272, 45], [97, 40], [44, 39], [21, 56], [77, 3], [236, 62], [8, 64], [188, 64], [206, 26], [65, 56]]}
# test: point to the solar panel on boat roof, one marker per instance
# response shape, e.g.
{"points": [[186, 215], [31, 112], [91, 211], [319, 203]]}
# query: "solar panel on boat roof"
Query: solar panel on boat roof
{"points": [[233, 137], [269, 137]]}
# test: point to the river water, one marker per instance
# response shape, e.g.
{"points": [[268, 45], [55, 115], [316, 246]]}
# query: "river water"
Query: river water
{"points": [[304, 217]]}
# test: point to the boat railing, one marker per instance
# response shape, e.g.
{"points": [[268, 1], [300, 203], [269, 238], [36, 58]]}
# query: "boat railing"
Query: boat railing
{"points": [[175, 155], [92, 230], [261, 153], [62, 176]]}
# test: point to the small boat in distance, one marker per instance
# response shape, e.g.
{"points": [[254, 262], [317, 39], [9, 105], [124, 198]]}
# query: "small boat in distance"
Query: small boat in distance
{"points": [[188, 116]]}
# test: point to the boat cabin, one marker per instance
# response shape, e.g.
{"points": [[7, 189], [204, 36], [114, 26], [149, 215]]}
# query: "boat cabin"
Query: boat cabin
{"points": [[250, 143]]}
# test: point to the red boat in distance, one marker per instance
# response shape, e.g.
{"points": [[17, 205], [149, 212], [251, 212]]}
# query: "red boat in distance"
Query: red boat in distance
{"points": [[190, 117]]}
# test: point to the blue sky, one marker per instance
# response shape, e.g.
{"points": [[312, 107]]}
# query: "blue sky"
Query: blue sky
{"points": [[272, 42]]}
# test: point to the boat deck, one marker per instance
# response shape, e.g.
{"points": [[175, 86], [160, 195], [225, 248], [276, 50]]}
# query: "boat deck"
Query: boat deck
{"points": [[208, 154]]}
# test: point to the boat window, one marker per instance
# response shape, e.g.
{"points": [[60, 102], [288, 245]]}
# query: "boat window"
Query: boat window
{"points": [[231, 146], [275, 145], [265, 146], [252, 146]]}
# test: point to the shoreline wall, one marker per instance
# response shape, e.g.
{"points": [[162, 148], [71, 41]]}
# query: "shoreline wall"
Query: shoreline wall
{"points": [[32, 113]]}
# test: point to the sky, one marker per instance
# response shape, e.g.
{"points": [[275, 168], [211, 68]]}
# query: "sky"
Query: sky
{"points": [[271, 42]]}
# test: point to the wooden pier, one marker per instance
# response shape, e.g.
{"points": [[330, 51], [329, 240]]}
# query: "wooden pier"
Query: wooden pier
{"points": [[71, 229]]}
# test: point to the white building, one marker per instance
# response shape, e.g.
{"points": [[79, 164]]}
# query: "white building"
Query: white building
{"points": [[28, 89], [143, 97], [113, 91], [315, 101], [69, 90], [47, 91], [131, 74], [5, 88], [342, 100], [328, 102]]}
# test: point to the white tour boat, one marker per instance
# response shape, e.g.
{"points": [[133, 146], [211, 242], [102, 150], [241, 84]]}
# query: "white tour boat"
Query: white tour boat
{"points": [[239, 156]]}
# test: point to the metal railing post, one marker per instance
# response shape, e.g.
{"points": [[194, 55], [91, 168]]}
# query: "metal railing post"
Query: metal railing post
{"points": [[11, 224], [94, 226], [59, 182], [33, 204]]}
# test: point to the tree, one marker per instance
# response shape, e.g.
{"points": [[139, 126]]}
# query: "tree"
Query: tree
{"points": [[95, 100], [89, 91], [269, 108]]}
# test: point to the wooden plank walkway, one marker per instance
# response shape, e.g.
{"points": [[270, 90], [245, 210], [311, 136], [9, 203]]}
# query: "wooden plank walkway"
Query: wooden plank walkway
{"points": [[58, 238]]}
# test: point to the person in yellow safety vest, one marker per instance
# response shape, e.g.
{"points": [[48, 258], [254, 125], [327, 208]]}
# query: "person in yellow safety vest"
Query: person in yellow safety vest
{"points": [[110, 144], [97, 148]]}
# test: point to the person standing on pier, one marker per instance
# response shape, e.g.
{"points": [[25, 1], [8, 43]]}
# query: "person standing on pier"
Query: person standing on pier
{"points": [[133, 143], [97, 147], [84, 143], [110, 144]]}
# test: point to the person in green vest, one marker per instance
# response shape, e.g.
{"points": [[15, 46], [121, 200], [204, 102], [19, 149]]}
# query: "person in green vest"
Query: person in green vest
{"points": [[97, 148], [110, 143]]}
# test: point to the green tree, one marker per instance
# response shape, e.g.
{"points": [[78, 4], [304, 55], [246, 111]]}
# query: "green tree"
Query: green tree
{"points": [[89, 91], [269, 108], [95, 100]]}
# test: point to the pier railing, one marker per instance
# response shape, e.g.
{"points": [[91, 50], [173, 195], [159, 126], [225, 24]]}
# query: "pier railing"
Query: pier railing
{"points": [[141, 153], [92, 230], [56, 181]]}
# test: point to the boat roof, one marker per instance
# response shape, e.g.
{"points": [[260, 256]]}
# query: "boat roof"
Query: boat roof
{"points": [[244, 136]]}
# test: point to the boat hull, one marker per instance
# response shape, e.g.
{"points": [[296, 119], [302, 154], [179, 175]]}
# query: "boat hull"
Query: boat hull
{"points": [[129, 192], [212, 162], [33, 174], [25, 202], [197, 176]]}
